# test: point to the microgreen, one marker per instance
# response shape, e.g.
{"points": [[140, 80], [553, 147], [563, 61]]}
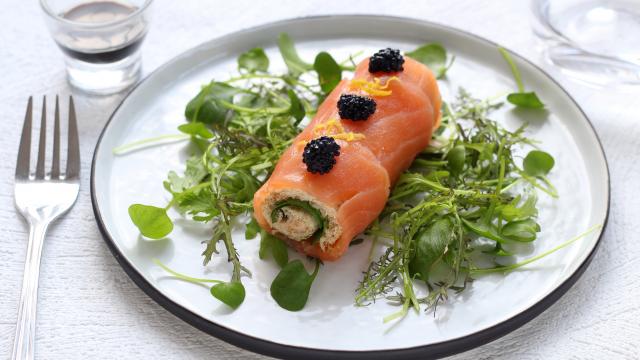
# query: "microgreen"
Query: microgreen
{"points": [[433, 55], [290, 289], [538, 163], [254, 60], [290, 55], [252, 229], [152, 221], [329, 72], [270, 244], [521, 98], [231, 293]]}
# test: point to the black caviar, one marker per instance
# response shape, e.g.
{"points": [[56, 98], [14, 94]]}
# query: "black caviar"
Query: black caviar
{"points": [[386, 60], [320, 154], [356, 107]]}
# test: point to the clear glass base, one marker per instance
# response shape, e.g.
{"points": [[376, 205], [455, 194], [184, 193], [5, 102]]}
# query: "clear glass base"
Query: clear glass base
{"points": [[592, 40], [104, 79]]}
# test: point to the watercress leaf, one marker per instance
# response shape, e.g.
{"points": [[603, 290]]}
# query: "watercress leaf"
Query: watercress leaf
{"points": [[206, 107], [290, 288], [266, 241], [279, 252], [290, 56], [522, 230], [252, 229], [253, 60], [296, 109], [196, 129], [270, 244], [434, 56], [231, 293], [525, 100], [456, 159], [538, 163], [152, 221], [329, 72], [430, 245]]}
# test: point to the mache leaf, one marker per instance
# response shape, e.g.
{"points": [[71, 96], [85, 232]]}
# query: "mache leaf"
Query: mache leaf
{"points": [[254, 60], [290, 289], [290, 56], [538, 163], [328, 70], [153, 222], [206, 106], [431, 245], [296, 109], [196, 129], [433, 55], [231, 293]]}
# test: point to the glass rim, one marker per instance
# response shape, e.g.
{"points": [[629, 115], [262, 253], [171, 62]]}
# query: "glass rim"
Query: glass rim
{"points": [[47, 10]]}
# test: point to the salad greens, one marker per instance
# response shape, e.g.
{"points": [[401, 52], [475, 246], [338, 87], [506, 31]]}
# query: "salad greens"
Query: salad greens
{"points": [[466, 196], [521, 98], [290, 289], [433, 55]]}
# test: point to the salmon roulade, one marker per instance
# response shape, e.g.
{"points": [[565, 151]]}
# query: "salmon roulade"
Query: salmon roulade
{"points": [[335, 179]]}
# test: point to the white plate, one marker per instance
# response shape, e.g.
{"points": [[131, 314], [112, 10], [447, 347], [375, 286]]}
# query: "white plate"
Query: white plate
{"points": [[330, 326]]}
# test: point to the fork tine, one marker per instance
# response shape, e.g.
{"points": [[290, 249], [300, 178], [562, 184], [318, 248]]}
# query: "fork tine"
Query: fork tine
{"points": [[24, 151], [42, 142], [73, 148], [55, 162]]}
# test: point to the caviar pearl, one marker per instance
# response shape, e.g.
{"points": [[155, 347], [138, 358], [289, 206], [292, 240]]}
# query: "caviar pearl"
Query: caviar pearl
{"points": [[386, 60], [356, 107], [320, 154]]}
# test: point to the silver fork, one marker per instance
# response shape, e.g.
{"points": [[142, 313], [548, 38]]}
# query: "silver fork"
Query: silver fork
{"points": [[41, 198]]}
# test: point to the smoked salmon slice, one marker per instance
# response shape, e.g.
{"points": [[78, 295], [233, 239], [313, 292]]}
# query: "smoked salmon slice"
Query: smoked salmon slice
{"points": [[395, 111]]}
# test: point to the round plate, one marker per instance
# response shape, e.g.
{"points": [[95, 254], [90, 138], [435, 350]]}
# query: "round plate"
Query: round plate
{"points": [[330, 326]]}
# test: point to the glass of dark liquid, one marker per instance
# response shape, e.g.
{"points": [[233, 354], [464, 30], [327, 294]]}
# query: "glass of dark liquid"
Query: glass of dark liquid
{"points": [[101, 41]]}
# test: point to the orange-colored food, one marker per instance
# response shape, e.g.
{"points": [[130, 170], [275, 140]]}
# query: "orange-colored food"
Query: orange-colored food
{"points": [[386, 143]]}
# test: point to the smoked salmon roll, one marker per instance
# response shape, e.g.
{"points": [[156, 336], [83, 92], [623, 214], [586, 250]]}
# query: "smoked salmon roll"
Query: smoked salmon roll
{"points": [[335, 179]]}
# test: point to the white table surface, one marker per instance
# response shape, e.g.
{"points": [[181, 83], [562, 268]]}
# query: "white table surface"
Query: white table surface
{"points": [[90, 309]]}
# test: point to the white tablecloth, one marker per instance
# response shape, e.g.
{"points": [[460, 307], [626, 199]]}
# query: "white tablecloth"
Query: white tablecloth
{"points": [[90, 309]]}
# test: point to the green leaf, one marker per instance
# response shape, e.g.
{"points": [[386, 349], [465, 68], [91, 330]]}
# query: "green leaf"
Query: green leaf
{"points": [[152, 221], [484, 230], [290, 56], [520, 98], [290, 289], [206, 107], [270, 244], [196, 129], [253, 60], [296, 109], [252, 229], [525, 100], [231, 293], [430, 246], [538, 163], [434, 56], [329, 72], [194, 173], [523, 230], [512, 211], [456, 159]]}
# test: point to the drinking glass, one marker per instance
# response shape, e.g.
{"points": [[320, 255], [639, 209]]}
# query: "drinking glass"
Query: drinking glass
{"points": [[101, 41], [597, 41]]}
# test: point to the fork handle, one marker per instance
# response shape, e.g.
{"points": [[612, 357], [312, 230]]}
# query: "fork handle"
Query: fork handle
{"points": [[24, 342]]}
